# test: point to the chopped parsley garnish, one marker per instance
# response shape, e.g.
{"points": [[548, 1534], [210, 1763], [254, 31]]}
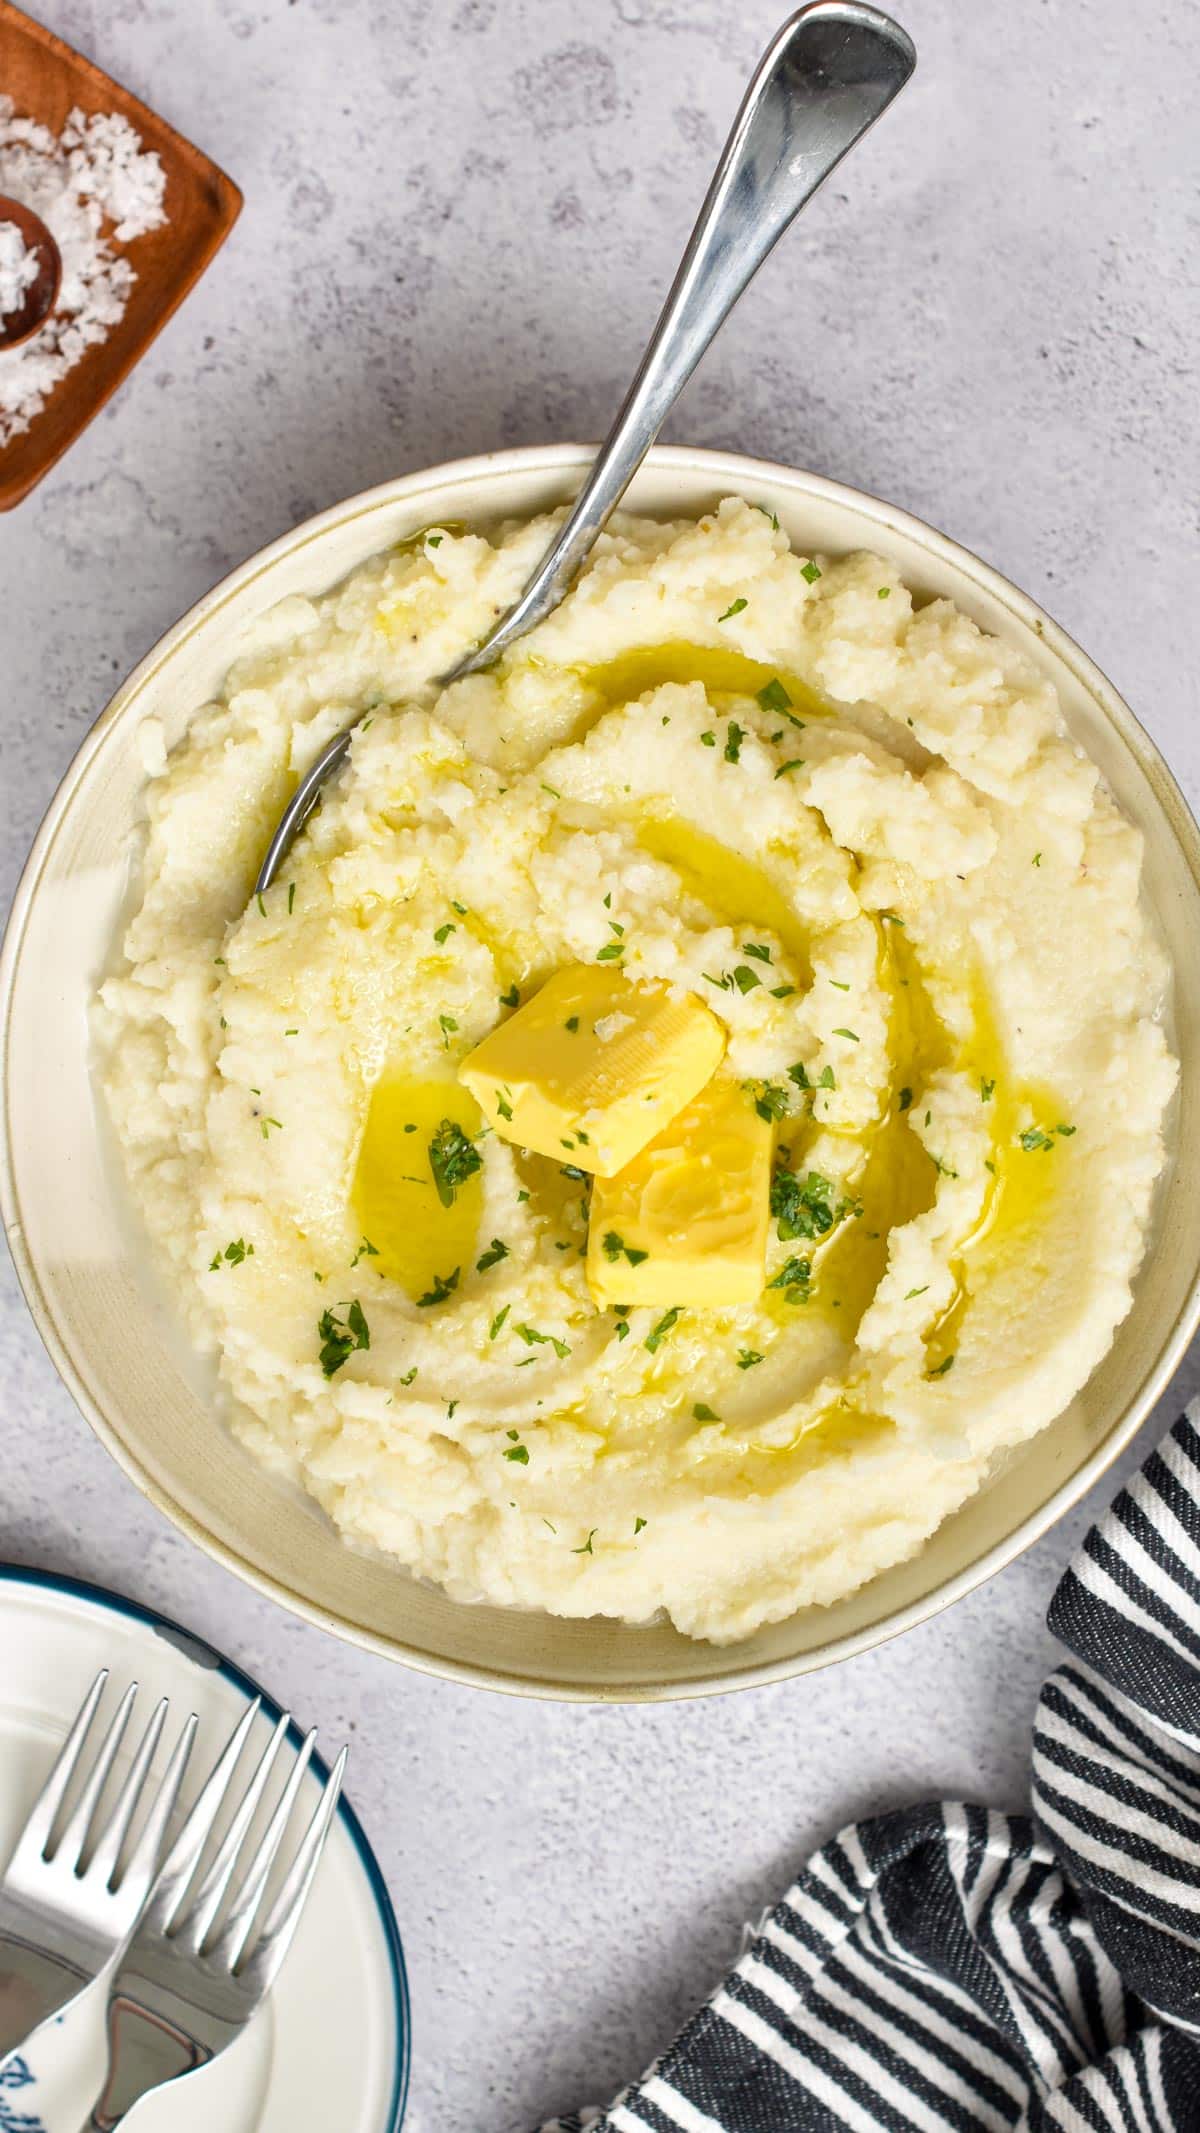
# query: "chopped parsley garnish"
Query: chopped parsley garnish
{"points": [[796, 763], [639, 1526], [774, 697], [805, 1207], [748, 1357], [571, 1023], [771, 1101], [736, 607], [987, 1089], [615, 1247], [1037, 1136], [774, 518], [610, 952], [939, 1369], [703, 1413], [531, 1337], [709, 739], [233, 1254], [1037, 859], [433, 540], [503, 1109], [571, 1170], [734, 737], [453, 1158], [261, 905], [340, 1338], [517, 1452], [659, 1331], [409, 1375], [366, 1250], [444, 1286], [840, 983], [795, 1279], [587, 1548], [498, 1321], [826, 1078], [744, 978], [552, 790], [291, 897], [443, 932], [851, 1034], [496, 1251], [905, 1099], [811, 571], [511, 998], [910, 1293], [884, 592], [758, 949], [782, 992], [267, 1124], [448, 1027]]}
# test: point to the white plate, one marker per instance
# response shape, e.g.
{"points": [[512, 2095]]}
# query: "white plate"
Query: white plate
{"points": [[330, 2047]]}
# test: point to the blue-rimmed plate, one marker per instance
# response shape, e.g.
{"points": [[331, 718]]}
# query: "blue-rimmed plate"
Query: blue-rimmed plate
{"points": [[330, 2047]]}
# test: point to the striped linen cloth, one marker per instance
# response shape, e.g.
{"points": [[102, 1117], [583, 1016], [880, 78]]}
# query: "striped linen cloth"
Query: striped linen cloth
{"points": [[947, 1968]]}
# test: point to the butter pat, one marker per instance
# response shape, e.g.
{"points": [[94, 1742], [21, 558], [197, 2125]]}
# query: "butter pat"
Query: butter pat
{"points": [[686, 1221], [593, 1066]]}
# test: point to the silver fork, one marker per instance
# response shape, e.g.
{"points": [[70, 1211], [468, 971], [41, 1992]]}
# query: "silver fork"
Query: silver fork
{"points": [[191, 1978], [68, 1901]]}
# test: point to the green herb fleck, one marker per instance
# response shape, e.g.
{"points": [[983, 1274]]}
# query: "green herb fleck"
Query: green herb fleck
{"points": [[498, 1321], [758, 949], [453, 1158], [736, 607], [518, 1453], [443, 932], [774, 697], [805, 1207], [366, 1250], [748, 1357], [267, 1124], [639, 1526], [444, 1286], [905, 1099], [511, 998], [496, 1251], [795, 1279], [884, 592], [851, 1034], [734, 737], [702, 1413], [587, 1548], [1037, 859], [709, 739], [610, 952], [987, 1089], [615, 1247], [796, 763], [744, 978], [339, 1338], [910, 1293], [939, 1369], [659, 1331], [531, 1337], [811, 572]]}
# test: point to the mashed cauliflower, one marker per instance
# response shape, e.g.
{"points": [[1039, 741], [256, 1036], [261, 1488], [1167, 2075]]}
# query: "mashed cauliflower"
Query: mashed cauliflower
{"points": [[855, 827]]}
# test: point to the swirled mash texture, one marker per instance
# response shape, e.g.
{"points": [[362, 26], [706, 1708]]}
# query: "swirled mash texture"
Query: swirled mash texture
{"points": [[850, 829]]}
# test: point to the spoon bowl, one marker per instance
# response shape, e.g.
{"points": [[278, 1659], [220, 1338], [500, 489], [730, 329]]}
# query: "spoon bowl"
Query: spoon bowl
{"points": [[42, 294], [821, 83]]}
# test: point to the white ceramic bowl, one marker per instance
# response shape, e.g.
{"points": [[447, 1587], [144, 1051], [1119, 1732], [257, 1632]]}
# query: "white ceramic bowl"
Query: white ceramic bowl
{"points": [[85, 1272]]}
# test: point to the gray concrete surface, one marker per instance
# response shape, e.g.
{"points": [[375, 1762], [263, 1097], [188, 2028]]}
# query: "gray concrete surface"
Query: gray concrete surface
{"points": [[459, 221]]}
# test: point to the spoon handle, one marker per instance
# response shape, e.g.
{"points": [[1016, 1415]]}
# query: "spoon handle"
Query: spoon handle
{"points": [[834, 66]]}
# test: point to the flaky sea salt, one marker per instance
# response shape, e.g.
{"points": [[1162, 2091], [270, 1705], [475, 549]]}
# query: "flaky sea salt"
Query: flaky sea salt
{"points": [[92, 185], [18, 268]]}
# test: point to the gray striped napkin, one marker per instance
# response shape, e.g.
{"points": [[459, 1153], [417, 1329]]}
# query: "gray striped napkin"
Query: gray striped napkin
{"points": [[947, 1969]]}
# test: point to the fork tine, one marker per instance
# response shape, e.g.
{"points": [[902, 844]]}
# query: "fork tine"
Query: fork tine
{"points": [[71, 1844], [207, 1900], [108, 1847], [235, 1932], [36, 1834], [284, 1914], [176, 1871], [144, 1857]]}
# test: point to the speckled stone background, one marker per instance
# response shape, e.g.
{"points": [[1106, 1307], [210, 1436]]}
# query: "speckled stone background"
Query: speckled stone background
{"points": [[459, 220]]}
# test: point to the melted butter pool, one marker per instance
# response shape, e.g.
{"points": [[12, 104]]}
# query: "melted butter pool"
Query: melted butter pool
{"points": [[722, 672], [395, 1200]]}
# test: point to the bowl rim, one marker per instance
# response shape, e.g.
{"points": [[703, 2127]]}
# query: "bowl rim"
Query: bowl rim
{"points": [[734, 473]]}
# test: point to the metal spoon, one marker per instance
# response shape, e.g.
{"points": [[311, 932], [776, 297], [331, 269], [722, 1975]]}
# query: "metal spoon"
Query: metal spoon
{"points": [[834, 66], [42, 293]]}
